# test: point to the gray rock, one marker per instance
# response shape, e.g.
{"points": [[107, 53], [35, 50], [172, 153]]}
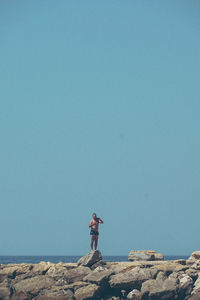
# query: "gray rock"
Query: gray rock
{"points": [[145, 255], [195, 255], [195, 296], [196, 288], [185, 285], [159, 289], [192, 273], [132, 279], [5, 293], [30, 287], [134, 295], [101, 263], [161, 276], [53, 294], [88, 292], [196, 265], [58, 271], [98, 277], [90, 259], [76, 274], [8, 271]]}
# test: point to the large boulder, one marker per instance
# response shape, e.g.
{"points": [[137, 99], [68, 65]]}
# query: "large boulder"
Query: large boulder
{"points": [[87, 292], [90, 259], [41, 268], [169, 267], [159, 289], [99, 277], [192, 273], [76, 274], [30, 287], [58, 271], [8, 271], [185, 285], [101, 263], [134, 295], [56, 294], [195, 255], [196, 288], [145, 255], [131, 279]]}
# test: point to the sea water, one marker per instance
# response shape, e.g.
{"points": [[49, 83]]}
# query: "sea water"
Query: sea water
{"points": [[67, 259]]}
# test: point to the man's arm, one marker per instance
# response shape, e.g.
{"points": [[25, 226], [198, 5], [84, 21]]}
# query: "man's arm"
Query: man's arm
{"points": [[90, 224], [100, 221]]}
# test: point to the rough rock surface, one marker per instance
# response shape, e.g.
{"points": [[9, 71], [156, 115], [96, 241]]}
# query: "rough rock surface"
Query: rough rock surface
{"points": [[134, 295], [98, 276], [159, 289], [195, 255], [88, 292], [145, 255], [93, 278], [132, 279], [90, 259]]}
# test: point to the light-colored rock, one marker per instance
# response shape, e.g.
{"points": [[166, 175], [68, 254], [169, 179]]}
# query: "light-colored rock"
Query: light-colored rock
{"points": [[134, 295], [122, 267], [53, 294], [145, 255], [99, 269], [90, 259], [159, 289], [8, 271], [98, 277], [185, 285], [68, 266], [101, 263], [195, 255], [58, 271], [76, 274], [170, 266], [196, 285], [132, 279], [41, 268], [196, 265], [161, 276], [181, 261], [195, 296], [141, 255], [5, 293], [192, 273], [89, 292], [31, 286], [48, 281]]}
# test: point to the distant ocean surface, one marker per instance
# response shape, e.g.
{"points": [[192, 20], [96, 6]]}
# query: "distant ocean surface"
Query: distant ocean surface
{"points": [[67, 259]]}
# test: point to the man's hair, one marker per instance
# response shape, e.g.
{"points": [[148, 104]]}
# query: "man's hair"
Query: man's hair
{"points": [[94, 214]]}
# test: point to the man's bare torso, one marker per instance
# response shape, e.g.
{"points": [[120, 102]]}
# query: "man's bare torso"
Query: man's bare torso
{"points": [[94, 225]]}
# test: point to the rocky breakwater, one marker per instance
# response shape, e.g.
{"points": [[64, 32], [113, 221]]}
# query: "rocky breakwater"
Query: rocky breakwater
{"points": [[93, 278], [149, 255]]}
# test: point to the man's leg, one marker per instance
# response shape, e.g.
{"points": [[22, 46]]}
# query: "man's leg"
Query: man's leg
{"points": [[92, 241], [96, 242]]}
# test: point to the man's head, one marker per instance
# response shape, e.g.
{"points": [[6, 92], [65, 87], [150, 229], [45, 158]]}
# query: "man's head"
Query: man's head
{"points": [[94, 216]]}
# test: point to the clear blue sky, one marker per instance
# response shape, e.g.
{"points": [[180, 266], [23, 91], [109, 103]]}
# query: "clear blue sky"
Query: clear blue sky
{"points": [[99, 111]]}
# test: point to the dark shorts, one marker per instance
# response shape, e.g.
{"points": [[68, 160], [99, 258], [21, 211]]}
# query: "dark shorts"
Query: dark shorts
{"points": [[93, 232]]}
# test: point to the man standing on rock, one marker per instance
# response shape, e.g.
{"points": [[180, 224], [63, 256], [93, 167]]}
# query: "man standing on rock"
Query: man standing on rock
{"points": [[94, 225]]}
